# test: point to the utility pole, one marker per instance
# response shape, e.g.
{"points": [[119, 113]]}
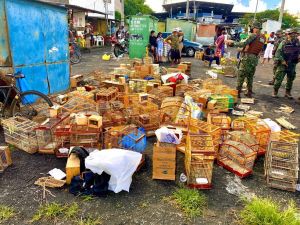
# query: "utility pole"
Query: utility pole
{"points": [[255, 10], [195, 10], [187, 9], [281, 12]]}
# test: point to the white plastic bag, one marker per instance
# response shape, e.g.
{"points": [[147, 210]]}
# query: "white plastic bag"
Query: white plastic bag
{"points": [[118, 163], [169, 134]]}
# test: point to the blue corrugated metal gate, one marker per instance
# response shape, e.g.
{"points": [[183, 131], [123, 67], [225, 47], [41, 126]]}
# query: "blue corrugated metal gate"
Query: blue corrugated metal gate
{"points": [[38, 43]]}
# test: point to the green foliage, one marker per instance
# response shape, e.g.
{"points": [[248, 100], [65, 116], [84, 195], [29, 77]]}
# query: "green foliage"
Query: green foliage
{"points": [[133, 7], [263, 211], [55, 210], [118, 15], [89, 221], [191, 201], [288, 20], [6, 213]]}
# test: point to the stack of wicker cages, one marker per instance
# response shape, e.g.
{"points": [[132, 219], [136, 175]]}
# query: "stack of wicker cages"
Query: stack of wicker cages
{"points": [[107, 94], [199, 159], [149, 121], [19, 132], [176, 113], [237, 157], [282, 165], [221, 120], [197, 126], [181, 89], [45, 133]]}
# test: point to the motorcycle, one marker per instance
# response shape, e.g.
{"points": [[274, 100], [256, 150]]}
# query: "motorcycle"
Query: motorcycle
{"points": [[120, 46], [75, 54]]}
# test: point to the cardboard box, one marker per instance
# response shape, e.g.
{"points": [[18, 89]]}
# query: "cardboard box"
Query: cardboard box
{"points": [[72, 168], [164, 161]]}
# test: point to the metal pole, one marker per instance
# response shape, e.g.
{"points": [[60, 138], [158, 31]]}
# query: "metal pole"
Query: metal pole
{"points": [[255, 10], [281, 12], [187, 8], [195, 11]]}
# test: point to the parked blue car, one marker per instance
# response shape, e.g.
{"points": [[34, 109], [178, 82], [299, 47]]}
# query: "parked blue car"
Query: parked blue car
{"points": [[189, 47]]}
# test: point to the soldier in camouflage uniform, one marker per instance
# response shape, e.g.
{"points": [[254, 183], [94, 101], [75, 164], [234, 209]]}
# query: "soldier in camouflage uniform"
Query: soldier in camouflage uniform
{"points": [[252, 46], [287, 57], [278, 40]]}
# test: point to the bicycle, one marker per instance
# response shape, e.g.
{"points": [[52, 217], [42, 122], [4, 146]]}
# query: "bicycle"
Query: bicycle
{"points": [[31, 104]]}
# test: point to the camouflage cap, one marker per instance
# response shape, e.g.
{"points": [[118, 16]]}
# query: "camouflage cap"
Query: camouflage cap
{"points": [[291, 31], [256, 24]]}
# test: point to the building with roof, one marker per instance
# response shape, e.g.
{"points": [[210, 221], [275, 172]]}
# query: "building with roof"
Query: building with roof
{"points": [[200, 11]]}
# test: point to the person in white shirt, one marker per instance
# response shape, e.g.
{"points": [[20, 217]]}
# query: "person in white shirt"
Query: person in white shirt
{"points": [[269, 49]]}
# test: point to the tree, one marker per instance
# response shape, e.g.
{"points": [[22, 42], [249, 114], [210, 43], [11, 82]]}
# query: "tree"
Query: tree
{"points": [[288, 20], [118, 15], [133, 7]]}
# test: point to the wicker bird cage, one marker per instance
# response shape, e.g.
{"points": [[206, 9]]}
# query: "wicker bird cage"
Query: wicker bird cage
{"points": [[237, 158]]}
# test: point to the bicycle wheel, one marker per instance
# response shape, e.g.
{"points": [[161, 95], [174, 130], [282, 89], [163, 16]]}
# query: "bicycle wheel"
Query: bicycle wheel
{"points": [[33, 105], [75, 58]]}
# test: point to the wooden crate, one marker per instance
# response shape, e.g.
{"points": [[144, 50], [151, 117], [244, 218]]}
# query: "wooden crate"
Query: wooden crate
{"points": [[19, 132], [137, 86], [146, 107], [162, 92], [237, 158], [149, 121], [241, 122], [199, 168], [5, 158], [72, 168], [164, 161], [283, 184], [219, 119]]}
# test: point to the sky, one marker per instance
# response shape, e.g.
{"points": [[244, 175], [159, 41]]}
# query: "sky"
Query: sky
{"points": [[292, 6]]}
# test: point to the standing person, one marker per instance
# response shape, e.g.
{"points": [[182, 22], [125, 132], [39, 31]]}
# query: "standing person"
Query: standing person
{"points": [[252, 47], [269, 49], [88, 35], [278, 39], [266, 38], [220, 44], [180, 39], [160, 47], [152, 43], [174, 39], [287, 57], [120, 34]]}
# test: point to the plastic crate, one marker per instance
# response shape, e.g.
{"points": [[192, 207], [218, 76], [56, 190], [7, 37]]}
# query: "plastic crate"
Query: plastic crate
{"points": [[236, 157], [19, 132]]}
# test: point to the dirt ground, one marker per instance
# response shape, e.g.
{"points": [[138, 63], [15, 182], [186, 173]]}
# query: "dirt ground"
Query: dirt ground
{"points": [[145, 203]]}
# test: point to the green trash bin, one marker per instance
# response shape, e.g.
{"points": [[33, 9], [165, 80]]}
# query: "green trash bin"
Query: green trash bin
{"points": [[140, 27]]}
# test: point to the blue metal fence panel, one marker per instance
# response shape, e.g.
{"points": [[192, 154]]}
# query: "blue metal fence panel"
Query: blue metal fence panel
{"points": [[38, 37], [25, 25], [58, 76], [55, 24]]}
